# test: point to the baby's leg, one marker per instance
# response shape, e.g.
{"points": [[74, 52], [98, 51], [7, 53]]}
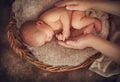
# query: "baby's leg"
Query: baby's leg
{"points": [[88, 29], [98, 25], [79, 21]]}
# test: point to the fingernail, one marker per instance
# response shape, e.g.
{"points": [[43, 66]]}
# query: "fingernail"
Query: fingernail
{"points": [[67, 7], [67, 42]]}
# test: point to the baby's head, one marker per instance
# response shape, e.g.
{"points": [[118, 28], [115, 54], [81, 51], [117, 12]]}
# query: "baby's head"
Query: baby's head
{"points": [[36, 33]]}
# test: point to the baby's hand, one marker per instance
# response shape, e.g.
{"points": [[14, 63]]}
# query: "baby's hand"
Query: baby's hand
{"points": [[63, 36], [79, 42], [59, 36]]}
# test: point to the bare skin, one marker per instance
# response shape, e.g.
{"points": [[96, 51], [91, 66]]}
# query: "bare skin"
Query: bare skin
{"points": [[58, 22], [62, 19], [90, 40], [111, 7], [83, 41]]}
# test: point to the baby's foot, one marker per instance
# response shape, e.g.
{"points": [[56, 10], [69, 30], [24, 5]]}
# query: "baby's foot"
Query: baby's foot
{"points": [[98, 26], [88, 29]]}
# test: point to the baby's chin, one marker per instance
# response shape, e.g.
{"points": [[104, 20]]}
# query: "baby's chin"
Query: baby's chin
{"points": [[49, 39], [36, 44]]}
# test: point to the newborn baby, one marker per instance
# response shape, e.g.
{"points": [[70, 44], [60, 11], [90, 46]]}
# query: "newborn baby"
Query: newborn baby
{"points": [[58, 22]]}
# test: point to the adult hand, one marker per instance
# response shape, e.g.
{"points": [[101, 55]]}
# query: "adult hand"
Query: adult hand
{"points": [[79, 42], [80, 39], [74, 5], [111, 7]]}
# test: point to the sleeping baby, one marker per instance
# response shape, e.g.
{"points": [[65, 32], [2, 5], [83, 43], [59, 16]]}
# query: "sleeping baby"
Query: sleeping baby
{"points": [[58, 22]]}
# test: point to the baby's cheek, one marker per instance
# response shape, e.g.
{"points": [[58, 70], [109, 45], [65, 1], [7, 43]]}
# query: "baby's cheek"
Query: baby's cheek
{"points": [[39, 42]]}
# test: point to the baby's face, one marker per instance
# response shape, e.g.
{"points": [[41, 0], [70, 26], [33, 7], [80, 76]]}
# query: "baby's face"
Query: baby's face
{"points": [[36, 33], [45, 34], [42, 38]]}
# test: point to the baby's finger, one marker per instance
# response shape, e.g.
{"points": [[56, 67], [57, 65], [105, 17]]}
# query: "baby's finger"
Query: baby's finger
{"points": [[59, 36], [63, 38]]}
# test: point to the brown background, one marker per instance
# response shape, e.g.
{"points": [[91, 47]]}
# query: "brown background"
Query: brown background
{"points": [[14, 69]]}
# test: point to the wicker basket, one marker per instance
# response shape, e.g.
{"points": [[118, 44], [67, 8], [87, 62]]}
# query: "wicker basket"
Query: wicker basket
{"points": [[21, 50]]}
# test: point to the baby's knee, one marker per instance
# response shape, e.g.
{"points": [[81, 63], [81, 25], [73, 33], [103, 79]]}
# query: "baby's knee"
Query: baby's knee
{"points": [[76, 24]]}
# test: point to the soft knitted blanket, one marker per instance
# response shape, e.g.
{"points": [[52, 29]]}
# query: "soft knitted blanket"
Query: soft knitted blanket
{"points": [[51, 53]]}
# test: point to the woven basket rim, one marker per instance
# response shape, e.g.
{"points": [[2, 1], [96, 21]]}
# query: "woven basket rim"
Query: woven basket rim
{"points": [[23, 52]]}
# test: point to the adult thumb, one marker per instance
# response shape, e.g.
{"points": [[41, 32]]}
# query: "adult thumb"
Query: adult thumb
{"points": [[71, 7], [70, 42]]}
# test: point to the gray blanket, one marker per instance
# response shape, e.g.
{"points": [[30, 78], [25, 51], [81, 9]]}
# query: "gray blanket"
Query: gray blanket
{"points": [[51, 53]]}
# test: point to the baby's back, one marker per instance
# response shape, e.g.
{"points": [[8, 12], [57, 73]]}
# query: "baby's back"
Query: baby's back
{"points": [[53, 14], [52, 17]]}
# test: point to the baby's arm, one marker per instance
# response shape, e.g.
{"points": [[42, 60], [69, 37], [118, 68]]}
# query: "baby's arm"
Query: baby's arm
{"points": [[65, 20], [58, 14], [79, 21]]}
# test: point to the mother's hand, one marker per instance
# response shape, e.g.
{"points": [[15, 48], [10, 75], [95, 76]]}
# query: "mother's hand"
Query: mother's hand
{"points": [[75, 5], [79, 42], [80, 38]]}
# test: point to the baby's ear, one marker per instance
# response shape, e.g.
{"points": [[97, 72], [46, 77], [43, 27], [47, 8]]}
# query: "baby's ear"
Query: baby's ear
{"points": [[39, 22]]}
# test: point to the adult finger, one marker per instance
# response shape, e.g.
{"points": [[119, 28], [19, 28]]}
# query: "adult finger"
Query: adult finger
{"points": [[64, 44], [71, 43], [72, 7], [74, 44], [66, 3]]}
